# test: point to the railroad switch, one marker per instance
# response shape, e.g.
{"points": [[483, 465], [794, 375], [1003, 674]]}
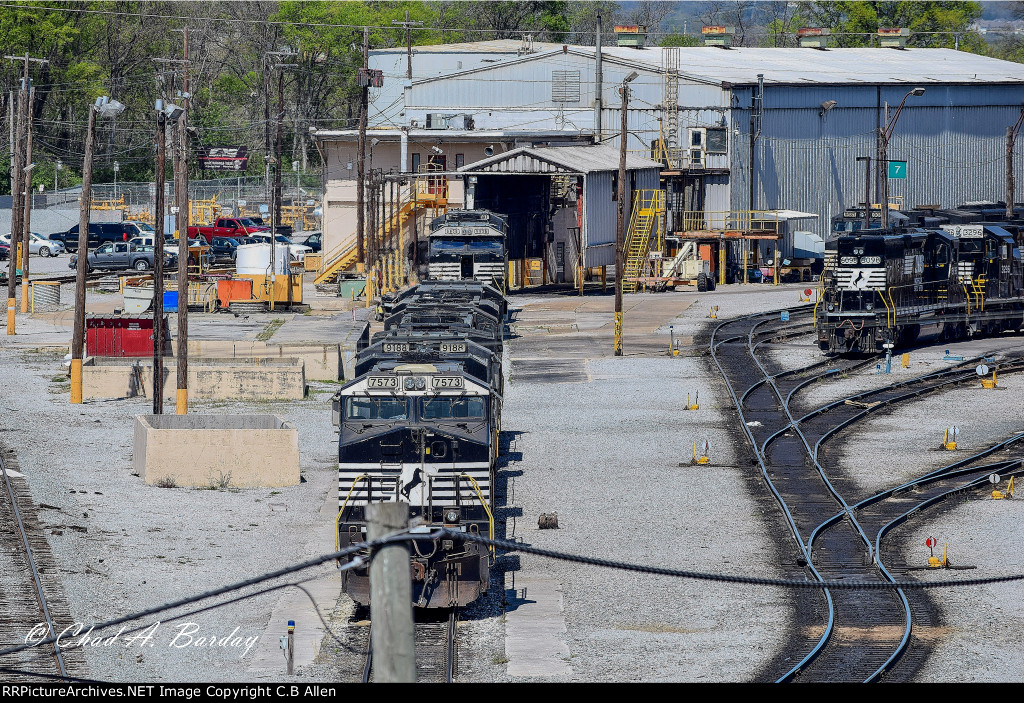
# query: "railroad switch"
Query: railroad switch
{"points": [[695, 406], [713, 312], [990, 383], [1002, 495], [933, 561], [700, 460], [804, 296], [949, 439]]}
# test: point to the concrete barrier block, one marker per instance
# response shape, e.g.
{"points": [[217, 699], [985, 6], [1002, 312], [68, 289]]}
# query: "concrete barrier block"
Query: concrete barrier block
{"points": [[220, 451], [248, 378]]}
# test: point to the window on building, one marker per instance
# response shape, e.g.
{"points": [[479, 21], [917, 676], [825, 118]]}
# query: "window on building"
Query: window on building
{"points": [[717, 140], [615, 186], [460, 160], [565, 86], [415, 163]]}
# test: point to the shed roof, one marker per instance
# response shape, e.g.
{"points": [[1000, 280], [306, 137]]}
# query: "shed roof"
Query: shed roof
{"points": [[558, 159]]}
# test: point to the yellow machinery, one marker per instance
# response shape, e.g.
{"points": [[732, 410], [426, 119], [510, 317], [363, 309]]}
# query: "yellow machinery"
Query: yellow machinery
{"points": [[261, 287]]}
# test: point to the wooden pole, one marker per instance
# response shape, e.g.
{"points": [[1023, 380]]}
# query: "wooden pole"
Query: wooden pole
{"points": [[17, 204], [620, 223], [158, 267], [394, 657], [84, 211], [183, 220], [26, 228], [360, 159]]}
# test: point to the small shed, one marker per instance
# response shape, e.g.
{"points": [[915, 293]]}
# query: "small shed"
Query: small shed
{"points": [[561, 201]]}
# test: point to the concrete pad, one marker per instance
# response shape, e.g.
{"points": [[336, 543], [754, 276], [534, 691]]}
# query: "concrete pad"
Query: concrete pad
{"points": [[533, 627]]}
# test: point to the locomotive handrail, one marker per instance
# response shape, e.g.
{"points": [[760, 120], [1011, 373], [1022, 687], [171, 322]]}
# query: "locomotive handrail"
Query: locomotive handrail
{"points": [[344, 504], [480, 495], [888, 309]]}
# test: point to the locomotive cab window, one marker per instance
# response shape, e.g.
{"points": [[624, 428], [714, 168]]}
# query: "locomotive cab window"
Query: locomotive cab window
{"points": [[376, 409], [452, 408]]}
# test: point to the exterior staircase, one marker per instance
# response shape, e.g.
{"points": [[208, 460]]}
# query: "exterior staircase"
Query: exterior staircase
{"points": [[648, 209], [430, 196]]}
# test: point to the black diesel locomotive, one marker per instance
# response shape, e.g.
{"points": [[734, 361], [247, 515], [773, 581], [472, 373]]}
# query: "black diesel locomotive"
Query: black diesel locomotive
{"points": [[957, 276], [419, 424]]}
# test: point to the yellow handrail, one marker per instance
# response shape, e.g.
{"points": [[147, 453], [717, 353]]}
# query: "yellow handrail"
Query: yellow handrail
{"points": [[337, 520], [483, 502]]}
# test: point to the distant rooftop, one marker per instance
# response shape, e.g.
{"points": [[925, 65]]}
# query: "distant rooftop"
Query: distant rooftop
{"points": [[780, 65]]}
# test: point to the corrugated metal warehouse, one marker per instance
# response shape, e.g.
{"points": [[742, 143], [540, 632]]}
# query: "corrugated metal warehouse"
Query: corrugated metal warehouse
{"points": [[750, 129]]}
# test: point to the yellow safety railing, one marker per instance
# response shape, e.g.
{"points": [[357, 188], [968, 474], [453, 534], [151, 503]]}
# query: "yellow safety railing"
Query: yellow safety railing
{"points": [[648, 206], [344, 504], [729, 221], [483, 502]]}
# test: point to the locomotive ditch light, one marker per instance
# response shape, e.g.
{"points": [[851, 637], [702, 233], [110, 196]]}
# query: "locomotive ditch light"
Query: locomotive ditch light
{"points": [[410, 383], [421, 383], [452, 516]]}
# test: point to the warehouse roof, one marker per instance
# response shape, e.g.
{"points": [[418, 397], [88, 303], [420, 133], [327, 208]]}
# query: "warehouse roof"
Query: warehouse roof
{"points": [[800, 66], [558, 159]]}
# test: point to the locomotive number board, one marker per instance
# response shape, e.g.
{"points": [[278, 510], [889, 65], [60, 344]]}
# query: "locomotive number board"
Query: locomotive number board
{"points": [[382, 382], [452, 347], [445, 382], [396, 347]]}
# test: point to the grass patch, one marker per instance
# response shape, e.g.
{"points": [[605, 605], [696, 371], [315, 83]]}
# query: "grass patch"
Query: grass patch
{"points": [[499, 659], [268, 331], [167, 482]]}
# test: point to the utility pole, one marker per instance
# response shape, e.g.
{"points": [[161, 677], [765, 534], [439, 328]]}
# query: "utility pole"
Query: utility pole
{"points": [[598, 83], [1011, 183], [84, 210], [620, 233], [394, 657], [158, 264], [361, 156], [408, 41], [277, 147], [183, 219], [26, 228], [16, 201]]}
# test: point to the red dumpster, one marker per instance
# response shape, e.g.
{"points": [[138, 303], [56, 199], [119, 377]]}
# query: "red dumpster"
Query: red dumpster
{"points": [[122, 335]]}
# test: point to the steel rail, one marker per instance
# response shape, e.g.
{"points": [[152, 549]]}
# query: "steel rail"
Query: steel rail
{"points": [[40, 595], [830, 623], [453, 623]]}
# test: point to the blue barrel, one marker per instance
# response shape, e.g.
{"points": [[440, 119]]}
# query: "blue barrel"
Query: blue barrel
{"points": [[171, 301]]}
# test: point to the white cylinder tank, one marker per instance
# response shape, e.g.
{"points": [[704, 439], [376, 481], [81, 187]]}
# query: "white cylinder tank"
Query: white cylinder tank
{"points": [[254, 259]]}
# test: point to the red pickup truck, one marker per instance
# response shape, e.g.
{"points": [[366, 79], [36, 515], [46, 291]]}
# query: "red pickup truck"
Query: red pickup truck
{"points": [[227, 227]]}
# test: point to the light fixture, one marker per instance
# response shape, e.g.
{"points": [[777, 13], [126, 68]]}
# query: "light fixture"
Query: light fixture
{"points": [[489, 150], [436, 150], [826, 106], [170, 110], [374, 141], [917, 91], [108, 107], [632, 75], [29, 167]]}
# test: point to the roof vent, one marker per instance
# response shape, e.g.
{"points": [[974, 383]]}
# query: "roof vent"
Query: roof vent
{"points": [[718, 36], [634, 35], [893, 37], [813, 37]]}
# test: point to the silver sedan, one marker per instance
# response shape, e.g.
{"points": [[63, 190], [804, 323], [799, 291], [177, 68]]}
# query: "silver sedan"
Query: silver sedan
{"points": [[38, 244]]}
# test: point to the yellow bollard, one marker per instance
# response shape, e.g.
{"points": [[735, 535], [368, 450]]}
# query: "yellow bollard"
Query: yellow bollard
{"points": [[182, 404], [76, 381], [905, 360], [10, 316]]}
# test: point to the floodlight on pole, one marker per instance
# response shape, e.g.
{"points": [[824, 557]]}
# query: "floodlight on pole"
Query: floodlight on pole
{"points": [[29, 167], [882, 164]]}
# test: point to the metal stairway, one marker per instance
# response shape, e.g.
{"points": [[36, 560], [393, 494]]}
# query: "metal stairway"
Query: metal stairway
{"points": [[429, 196], [645, 219]]}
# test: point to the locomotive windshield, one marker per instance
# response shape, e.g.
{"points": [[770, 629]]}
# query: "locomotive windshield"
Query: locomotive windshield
{"points": [[471, 244], [448, 408], [376, 409]]}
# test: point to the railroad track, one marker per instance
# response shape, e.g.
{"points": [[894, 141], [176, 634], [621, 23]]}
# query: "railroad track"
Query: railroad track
{"points": [[865, 632], [30, 586], [436, 648]]}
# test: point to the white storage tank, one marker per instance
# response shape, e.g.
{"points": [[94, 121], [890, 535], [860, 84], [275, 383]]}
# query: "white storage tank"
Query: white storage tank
{"points": [[254, 259]]}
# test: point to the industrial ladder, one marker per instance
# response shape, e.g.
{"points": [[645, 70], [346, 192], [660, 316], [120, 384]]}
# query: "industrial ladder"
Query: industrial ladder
{"points": [[648, 206]]}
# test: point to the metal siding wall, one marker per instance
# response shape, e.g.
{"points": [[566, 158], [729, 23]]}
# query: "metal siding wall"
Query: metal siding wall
{"points": [[600, 218], [954, 147]]}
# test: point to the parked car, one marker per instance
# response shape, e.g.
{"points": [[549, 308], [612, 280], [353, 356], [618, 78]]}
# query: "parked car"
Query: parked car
{"points": [[227, 227], [38, 244], [224, 248], [313, 241], [5, 252], [101, 232], [115, 256], [149, 240]]}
